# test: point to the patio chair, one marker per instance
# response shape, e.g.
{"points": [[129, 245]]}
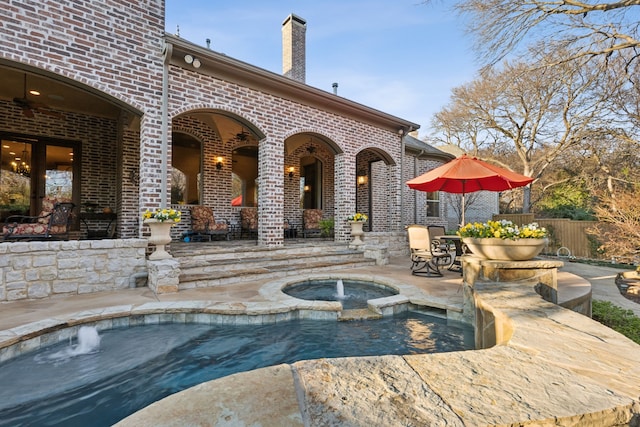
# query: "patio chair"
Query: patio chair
{"points": [[53, 223], [204, 224], [289, 230], [249, 221], [311, 222], [445, 245], [425, 258]]}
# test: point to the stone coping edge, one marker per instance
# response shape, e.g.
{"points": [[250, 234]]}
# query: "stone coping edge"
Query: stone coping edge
{"points": [[278, 307]]}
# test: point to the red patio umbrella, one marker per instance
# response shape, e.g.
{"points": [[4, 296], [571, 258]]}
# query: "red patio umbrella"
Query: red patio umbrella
{"points": [[237, 201], [467, 175]]}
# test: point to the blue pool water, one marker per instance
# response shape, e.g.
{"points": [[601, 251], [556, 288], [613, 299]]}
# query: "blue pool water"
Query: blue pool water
{"points": [[136, 366], [354, 295]]}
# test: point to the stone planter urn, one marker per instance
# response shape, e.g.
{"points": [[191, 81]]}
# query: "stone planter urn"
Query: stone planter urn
{"points": [[356, 232], [160, 236], [504, 249]]}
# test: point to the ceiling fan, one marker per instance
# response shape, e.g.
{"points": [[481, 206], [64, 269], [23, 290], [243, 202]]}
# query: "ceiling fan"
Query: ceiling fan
{"points": [[31, 107], [243, 136]]}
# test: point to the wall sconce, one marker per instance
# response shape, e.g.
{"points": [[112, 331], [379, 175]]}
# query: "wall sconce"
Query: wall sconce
{"points": [[307, 188], [189, 59], [219, 162], [291, 171], [134, 177], [362, 178]]}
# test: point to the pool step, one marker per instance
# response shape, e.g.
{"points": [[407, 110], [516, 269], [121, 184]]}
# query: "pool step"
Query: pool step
{"points": [[430, 311], [358, 314], [207, 266]]}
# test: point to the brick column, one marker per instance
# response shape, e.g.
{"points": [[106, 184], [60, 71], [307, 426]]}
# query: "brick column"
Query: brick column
{"points": [[395, 198], [271, 191], [151, 179], [345, 195]]}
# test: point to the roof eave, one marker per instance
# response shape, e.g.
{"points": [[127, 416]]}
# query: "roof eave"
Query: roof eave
{"points": [[224, 67]]}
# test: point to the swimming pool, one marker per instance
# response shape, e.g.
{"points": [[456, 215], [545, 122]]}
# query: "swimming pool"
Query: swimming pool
{"points": [[139, 365]]}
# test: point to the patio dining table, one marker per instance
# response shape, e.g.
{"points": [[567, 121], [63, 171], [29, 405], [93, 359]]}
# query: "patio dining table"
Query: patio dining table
{"points": [[457, 242]]}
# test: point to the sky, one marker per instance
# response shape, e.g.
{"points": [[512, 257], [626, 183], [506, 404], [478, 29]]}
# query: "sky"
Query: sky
{"points": [[401, 57]]}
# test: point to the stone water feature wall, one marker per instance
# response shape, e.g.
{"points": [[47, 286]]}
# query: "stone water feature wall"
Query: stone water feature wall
{"points": [[33, 270]]}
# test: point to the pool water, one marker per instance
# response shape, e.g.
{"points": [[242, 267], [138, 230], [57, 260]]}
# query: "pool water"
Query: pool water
{"points": [[136, 366], [356, 294]]}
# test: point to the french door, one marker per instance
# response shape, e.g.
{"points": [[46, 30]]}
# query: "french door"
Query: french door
{"points": [[32, 168]]}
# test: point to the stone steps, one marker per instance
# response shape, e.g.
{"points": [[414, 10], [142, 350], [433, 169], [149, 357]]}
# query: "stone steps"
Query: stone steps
{"points": [[215, 265]]}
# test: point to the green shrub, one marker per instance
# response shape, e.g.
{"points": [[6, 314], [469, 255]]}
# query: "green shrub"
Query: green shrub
{"points": [[326, 227], [618, 319]]}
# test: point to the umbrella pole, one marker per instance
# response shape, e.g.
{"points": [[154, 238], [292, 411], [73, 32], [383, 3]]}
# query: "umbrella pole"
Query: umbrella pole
{"points": [[462, 210]]}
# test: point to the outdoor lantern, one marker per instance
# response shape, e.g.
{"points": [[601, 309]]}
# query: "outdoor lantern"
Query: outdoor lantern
{"points": [[291, 170], [219, 163], [362, 178]]}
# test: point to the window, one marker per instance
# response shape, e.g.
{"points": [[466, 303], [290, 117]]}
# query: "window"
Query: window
{"points": [[433, 204]]}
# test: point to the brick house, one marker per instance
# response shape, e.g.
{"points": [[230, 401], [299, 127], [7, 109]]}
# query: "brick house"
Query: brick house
{"points": [[131, 118]]}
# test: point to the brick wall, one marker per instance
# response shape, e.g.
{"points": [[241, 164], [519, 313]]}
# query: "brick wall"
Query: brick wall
{"points": [[112, 46], [278, 119], [115, 47], [415, 202]]}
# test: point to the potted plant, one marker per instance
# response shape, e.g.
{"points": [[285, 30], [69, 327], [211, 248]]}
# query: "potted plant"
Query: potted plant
{"points": [[357, 220], [160, 222], [503, 240]]}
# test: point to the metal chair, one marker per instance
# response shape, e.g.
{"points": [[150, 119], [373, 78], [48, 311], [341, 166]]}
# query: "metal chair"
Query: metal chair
{"points": [[53, 223], [425, 259], [249, 222], [450, 245], [311, 222], [204, 224]]}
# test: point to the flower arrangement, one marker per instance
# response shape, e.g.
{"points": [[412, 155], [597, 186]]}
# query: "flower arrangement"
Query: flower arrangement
{"points": [[503, 229], [162, 215], [358, 217]]}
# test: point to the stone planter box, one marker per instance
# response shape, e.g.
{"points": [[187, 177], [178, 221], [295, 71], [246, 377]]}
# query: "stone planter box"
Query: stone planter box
{"points": [[505, 249]]}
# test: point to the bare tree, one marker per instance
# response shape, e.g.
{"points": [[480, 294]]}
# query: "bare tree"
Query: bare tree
{"points": [[580, 28], [456, 126], [623, 87], [536, 113], [455, 202], [619, 227]]}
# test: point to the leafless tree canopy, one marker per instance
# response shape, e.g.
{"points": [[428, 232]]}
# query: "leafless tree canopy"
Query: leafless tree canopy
{"points": [[619, 229], [583, 29], [525, 118], [565, 111]]}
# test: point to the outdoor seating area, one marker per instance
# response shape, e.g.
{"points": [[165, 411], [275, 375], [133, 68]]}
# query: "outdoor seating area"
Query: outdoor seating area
{"points": [[448, 243], [53, 223], [427, 254]]}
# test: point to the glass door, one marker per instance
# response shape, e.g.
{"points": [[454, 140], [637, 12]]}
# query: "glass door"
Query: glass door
{"points": [[15, 178], [58, 174], [34, 168]]}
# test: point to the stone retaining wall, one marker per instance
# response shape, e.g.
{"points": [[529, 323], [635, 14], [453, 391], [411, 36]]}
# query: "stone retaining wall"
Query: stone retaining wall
{"points": [[33, 270], [396, 242]]}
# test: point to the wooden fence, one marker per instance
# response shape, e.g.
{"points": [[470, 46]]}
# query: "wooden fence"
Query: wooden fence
{"points": [[563, 233]]}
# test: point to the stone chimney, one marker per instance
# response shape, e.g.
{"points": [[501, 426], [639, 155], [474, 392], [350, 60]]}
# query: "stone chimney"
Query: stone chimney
{"points": [[294, 31]]}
